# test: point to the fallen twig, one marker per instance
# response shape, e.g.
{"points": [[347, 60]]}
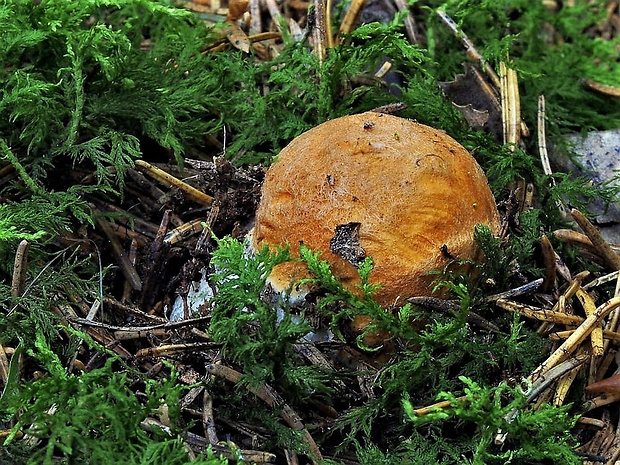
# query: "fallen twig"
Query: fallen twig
{"points": [[570, 345], [170, 181], [268, 395], [129, 271], [170, 349], [612, 259]]}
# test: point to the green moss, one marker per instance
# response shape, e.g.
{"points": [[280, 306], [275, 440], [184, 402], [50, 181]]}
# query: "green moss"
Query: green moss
{"points": [[532, 436], [440, 358], [95, 418]]}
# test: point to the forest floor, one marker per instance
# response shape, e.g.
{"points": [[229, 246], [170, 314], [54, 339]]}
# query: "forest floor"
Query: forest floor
{"points": [[135, 327]]}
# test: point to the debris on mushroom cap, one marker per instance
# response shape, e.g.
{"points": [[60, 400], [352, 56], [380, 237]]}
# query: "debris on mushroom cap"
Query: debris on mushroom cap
{"points": [[403, 193]]}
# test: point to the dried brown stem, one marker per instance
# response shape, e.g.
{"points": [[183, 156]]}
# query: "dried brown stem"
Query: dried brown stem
{"points": [[268, 395], [122, 258], [599, 401], [19, 269], [602, 280], [409, 22], [134, 312], [571, 344], [542, 148], [511, 106], [329, 35], [450, 306], [350, 18], [133, 256], [171, 349], [550, 266], [155, 258], [128, 335], [612, 91], [208, 419], [319, 32], [539, 385], [274, 11], [589, 306], [517, 291], [612, 259], [592, 422], [471, 50], [563, 385], [169, 326], [185, 231], [123, 232], [614, 449], [540, 314], [255, 17], [543, 381], [420, 412], [170, 181], [562, 335]]}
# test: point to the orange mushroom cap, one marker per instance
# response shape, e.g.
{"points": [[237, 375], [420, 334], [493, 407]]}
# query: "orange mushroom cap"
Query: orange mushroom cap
{"points": [[375, 185]]}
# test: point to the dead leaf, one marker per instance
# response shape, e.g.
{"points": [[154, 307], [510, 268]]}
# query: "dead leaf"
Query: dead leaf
{"points": [[477, 100], [237, 37]]}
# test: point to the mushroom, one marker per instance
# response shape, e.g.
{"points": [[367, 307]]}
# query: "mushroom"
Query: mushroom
{"points": [[377, 185]]}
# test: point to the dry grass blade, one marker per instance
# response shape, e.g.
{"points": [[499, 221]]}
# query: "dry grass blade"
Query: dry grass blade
{"points": [[587, 302], [539, 385], [4, 365], [542, 382], [171, 349], [208, 419], [409, 21], [511, 106], [542, 139], [571, 344], [17, 289], [540, 314], [256, 25], [542, 148], [564, 384], [601, 280], [439, 405], [184, 231], [600, 401], [472, 52], [274, 11], [166, 326], [562, 335], [517, 291], [612, 91], [320, 32], [350, 18], [19, 269]]}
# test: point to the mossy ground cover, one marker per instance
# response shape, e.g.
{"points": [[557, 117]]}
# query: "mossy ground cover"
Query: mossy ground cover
{"points": [[92, 370]]}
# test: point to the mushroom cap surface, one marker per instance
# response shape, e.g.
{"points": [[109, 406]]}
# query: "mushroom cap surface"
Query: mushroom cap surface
{"points": [[375, 185]]}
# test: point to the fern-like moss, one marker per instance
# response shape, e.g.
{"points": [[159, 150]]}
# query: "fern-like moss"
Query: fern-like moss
{"points": [[539, 436], [94, 418]]}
